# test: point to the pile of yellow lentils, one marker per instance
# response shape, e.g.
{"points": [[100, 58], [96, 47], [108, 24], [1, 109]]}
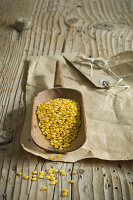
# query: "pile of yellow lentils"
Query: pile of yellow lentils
{"points": [[50, 175], [59, 120]]}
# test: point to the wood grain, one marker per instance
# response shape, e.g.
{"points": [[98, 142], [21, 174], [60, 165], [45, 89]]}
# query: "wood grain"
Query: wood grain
{"points": [[96, 28]]}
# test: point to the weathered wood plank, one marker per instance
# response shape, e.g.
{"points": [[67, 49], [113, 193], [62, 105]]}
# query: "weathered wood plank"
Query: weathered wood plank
{"points": [[96, 28]]}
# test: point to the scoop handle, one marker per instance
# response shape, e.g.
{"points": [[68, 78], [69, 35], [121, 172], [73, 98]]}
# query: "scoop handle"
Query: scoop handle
{"points": [[58, 80]]}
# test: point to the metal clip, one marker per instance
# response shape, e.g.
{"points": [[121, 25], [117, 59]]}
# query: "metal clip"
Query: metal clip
{"points": [[105, 83]]}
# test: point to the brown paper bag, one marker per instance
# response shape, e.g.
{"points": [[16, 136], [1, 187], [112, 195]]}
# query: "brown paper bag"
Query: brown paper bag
{"points": [[109, 112]]}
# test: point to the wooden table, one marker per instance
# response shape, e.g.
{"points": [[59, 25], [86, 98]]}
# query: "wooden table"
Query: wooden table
{"points": [[94, 27]]}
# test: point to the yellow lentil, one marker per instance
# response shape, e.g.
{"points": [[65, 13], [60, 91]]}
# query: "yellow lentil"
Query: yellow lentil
{"points": [[74, 172], [50, 172], [55, 170], [19, 173], [56, 181], [42, 173], [26, 177], [51, 169], [51, 158], [59, 156], [64, 194], [65, 190], [52, 178], [53, 183], [63, 173], [71, 181], [44, 188], [41, 176], [34, 172], [48, 177], [34, 179]]}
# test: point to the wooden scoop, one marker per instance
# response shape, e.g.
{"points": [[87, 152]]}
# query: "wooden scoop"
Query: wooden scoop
{"points": [[58, 92]]}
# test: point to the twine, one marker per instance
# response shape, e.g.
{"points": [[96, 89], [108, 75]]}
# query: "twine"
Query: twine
{"points": [[92, 62]]}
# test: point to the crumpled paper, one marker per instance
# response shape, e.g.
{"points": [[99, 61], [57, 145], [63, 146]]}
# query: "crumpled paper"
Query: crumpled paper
{"points": [[109, 112]]}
